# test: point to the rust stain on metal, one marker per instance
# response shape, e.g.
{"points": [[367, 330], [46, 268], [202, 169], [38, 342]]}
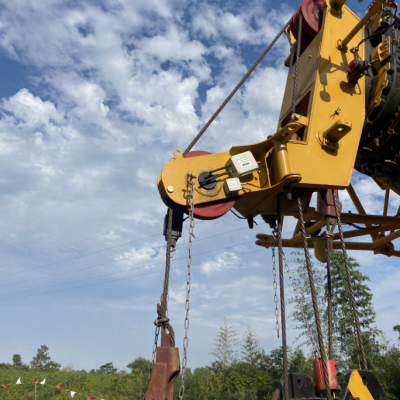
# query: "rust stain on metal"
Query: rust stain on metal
{"points": [[164, 373]]}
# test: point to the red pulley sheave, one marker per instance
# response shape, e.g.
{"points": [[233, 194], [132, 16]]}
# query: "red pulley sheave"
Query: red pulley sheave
{"points": [[211, 210], [311, 22]]}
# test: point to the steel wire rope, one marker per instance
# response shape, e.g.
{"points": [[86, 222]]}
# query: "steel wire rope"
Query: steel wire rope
{"points": [[300, 304], [349, 281], [285, 394], [314, 298], [328, 249], [222, 106]]}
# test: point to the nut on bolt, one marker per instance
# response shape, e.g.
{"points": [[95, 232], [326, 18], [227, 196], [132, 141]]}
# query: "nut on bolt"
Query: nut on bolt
{"points": [[170, 189], [296, 117]]}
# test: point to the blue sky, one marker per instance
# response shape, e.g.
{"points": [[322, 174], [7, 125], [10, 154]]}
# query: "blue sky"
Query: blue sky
{"points": [[95, 96]]}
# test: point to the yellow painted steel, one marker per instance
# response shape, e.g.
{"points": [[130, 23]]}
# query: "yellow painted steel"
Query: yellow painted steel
{"points": [[331, 117], [357, 387]]}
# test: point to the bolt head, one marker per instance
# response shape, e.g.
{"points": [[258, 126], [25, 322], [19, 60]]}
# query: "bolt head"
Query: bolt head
{"points": [[170, 189], [340, 129]]}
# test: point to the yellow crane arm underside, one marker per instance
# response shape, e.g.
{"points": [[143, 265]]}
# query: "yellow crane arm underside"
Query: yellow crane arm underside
{"points": [[330, 115]]}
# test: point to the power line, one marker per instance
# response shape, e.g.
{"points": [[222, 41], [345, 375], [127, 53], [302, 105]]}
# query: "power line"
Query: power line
{"points": [[111, 262], [66, 283], [75, 258], [115, 280], [364, 195], [113, 247]]}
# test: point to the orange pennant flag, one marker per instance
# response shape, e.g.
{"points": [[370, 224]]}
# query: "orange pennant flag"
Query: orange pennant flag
{"points": [[88, 397], [4, 386], [37, 382], [58, 386]]}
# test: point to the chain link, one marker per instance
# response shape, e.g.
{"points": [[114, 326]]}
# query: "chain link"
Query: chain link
{"points": [[154, 353], [275, 284], [351, 289], [296, 68], [314, 299], [191, 182], [300, 304]]}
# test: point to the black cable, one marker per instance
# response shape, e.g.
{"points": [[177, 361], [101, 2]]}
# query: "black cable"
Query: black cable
{"points": [[258, 187], [238, 216], [383, 30], [370, 228]]}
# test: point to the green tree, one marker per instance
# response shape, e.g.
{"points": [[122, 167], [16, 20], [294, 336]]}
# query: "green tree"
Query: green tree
{"points": [[345, 345], [43, 361], [140, 365], [343, 317], [17, 360], [250, 350], [299, 363], [397, 328], [387, 371], [301, 281], [224, 344], [107, 368]]}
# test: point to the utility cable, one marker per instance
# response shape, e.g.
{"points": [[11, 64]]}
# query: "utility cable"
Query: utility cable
{"points": [[114, 261], [123, 244], [115, 280], [139, 255]]}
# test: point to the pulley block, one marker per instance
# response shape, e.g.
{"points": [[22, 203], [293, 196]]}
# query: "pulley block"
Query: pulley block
{"points": [[311, 21], [211, 210]]}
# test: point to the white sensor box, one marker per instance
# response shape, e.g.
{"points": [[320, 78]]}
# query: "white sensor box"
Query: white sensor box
{"points": [[232, 185], [244, 163]]}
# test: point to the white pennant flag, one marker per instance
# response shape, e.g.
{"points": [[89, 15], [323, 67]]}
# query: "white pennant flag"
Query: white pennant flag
{"points": [[72, 394], [43, 382], [19, 381]]}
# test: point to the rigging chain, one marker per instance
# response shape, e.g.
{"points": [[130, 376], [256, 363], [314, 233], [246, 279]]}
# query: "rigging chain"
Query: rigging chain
{"points": [[351, 290], [300, 304], [191, 182], [314, 299], [296, 68], [285, 394], [328, 250], [275, 284]]}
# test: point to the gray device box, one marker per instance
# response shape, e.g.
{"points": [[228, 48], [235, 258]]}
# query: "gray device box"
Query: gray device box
{"points": [[244, 163], [232, 185]]}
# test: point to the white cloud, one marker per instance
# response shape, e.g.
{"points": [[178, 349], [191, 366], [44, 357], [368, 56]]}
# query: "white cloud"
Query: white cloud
{"points": [[225, 261], [111, 90]]}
